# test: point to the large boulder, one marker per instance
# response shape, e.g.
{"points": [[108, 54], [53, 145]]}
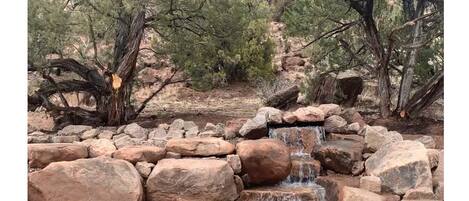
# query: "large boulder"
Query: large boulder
{"points": [[340, 155], [334, 122], [200, 146], [142, 153], [254, 128], [191, 180], [309, 114], [265, 161], [103, 179], [40, 155], [376, 137], [401, 166]]}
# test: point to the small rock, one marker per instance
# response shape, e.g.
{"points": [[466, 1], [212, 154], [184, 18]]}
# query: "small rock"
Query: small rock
{"points": [[273, 115], [309, 114], [101, 147], [189, 125], [330, 109], [239, 183], [106, 134], [420, 194], [192, 132], [200, 146], [254, 128], [377, 136], [144, 168], [123, 141], [178, 124], [175, 134], [289, 117], [89, 134], [427, 141], [358, 168], [339, 155], [164, 126], [40, 155], [235, 162], [173, 155], [357, 194], [352, 116], [136, 131], [232, 128], [140, 153], [65, 139], [371, 183], [74, 130], [39, 139], [121, 129], [210, 127], [333, 123], [158, 133], [353, 127]]}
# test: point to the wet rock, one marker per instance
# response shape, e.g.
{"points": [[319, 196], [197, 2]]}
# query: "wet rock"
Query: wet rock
{"points": [[102, 178], [74, 130], [330, 109], [334, 122], [427, 141], [254, 128], [273, 115], [333, 184], [265, 161], [65, 139], [394, 160], [282, 193], [340, 155], [376, 137], [200, 146], [420, 194], [235, 163], [175, 179], [371, 183], [144, 168], [40, 155], [304, 169], [356, 194], [89, 134], [309, 114], [136, 154], [298, 139], [136, 131], [101, 147]]}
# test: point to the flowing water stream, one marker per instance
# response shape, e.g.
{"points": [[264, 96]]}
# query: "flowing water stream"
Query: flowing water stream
{"points": [[301, 141]]}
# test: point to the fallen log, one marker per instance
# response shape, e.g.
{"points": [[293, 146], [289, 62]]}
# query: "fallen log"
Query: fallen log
{"points": [[283, 98]]}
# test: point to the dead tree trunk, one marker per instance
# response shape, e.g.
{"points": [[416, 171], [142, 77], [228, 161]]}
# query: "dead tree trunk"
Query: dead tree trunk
{"points": [[425, 96], [283, 97], [407, 77]]}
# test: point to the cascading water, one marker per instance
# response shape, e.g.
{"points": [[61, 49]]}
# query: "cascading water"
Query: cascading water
{"points": [[301, 141]]}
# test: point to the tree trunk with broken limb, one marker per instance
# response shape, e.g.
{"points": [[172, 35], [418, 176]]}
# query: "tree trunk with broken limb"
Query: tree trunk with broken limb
{"points": [[425, 96]]}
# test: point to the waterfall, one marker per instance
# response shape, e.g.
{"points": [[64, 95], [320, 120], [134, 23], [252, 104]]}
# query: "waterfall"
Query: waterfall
{"points": [[301, 141]]}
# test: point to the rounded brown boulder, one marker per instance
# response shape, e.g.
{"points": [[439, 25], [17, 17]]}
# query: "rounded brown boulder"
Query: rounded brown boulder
{"points": [[140, 153], [102, 178], [265, 161]]}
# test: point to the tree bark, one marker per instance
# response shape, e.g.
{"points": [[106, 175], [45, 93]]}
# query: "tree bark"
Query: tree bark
{"points": [[425, 96], [407, 77]]}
